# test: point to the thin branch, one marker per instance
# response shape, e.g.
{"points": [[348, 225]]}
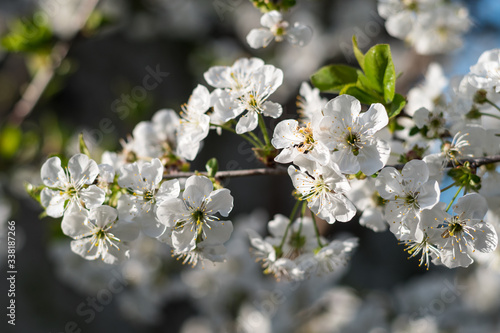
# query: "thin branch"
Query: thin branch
{"points": [[232, 173], [43, 76], [280, 171]]}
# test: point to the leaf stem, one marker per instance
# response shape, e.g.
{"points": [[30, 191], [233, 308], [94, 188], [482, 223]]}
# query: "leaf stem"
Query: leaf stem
{"points": [[447, 187], [316, 230], [454, 197], [492, 104], [263, 128], [294, 210], [489, 115]]}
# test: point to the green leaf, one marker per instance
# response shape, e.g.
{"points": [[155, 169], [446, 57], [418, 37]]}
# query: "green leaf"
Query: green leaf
{"points": [[333, 78], [83, 145], [360, 93], [396, 106], [34, 191], [379, 69], [212, 167], [357, 53], [414, 130]]}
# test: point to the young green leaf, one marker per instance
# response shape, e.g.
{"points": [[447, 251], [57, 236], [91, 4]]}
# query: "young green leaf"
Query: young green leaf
{"points": [[396, 106], [212, 167], [333, 78], [357, 53], [83, 145], [379, 69]]}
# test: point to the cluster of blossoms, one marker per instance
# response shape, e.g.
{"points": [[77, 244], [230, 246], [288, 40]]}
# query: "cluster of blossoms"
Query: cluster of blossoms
{"points": [[430, 26], [105, 217], [336, 154]]}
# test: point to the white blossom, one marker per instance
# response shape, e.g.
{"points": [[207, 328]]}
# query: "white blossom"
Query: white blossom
{"points": [[351, 135], [194, 123], [193, 218], [323, 187], [276, 28], [407, 193], [70, 186], [99, 233], [464, 231], [144, 194]]}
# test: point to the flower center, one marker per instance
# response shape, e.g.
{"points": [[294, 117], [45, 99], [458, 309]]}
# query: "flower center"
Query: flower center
{"points": [[353, 139]]}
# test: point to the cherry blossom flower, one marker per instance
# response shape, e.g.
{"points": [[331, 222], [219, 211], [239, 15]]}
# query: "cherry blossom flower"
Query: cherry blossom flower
{"points": [[253, 101], [157, 137], [309, 103], [99, 233], [298, 140], [323, 187], [407, 193], [70, 186], [277, 29], [144, 194], [486, 73], [351, 135], [465, 231], [194, 124], [236, 78], [193, 217]]}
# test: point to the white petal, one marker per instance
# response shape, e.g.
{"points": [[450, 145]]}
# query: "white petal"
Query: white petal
{"points": [[248, 122], [373, 157], [278, 225], [343, 107], [258, 38], [82, 169], [52, 173], [400, 24], [170, 211], [220, 201], [389, 183], [168, 189], [286, 134], [75, 225], [84, 248], [53, 202], [199, 101], [106, 173], [416, 171], [184, 240], [103, 215], [485, 238], [202, 182], [271, 18], [92, 196], [374, 119], [152, 173], [473, 206], [218, 233], [272, 109], [429, 194]]}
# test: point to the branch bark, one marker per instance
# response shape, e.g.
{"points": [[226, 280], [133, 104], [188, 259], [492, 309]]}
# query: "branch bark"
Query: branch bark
{"points": [[43, 76], [280, 171]]}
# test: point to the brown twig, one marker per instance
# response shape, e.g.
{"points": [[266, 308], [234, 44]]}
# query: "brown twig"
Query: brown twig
{"points": [[280, 171], [44, 75]]}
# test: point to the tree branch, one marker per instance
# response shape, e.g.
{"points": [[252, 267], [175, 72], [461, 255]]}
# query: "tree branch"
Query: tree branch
{"points": [[280, 171], [43, 76]]}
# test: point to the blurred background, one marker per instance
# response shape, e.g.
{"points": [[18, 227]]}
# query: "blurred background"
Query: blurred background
{"points": [[98, 88]]}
